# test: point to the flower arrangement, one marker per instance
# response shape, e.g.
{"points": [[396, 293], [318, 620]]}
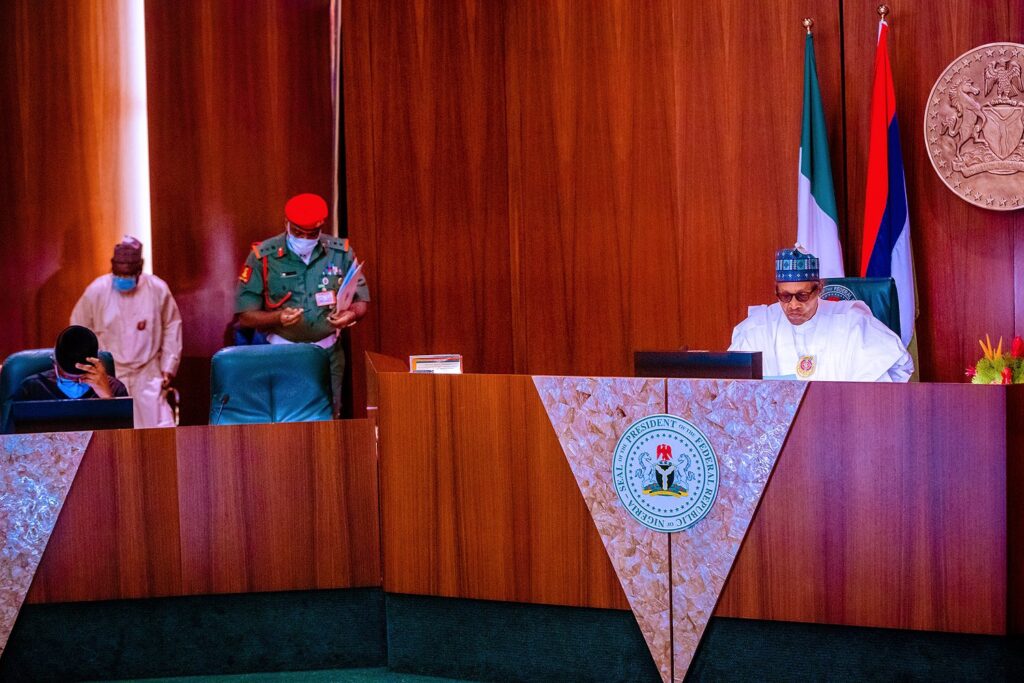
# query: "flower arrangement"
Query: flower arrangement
{"points": [[996, 367]]}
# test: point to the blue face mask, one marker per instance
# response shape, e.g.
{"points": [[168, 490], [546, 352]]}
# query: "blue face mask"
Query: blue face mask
{"points": [[124, 284], [72, 389], [301, 246]]}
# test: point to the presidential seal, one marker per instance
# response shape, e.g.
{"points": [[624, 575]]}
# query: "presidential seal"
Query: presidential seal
{"points": [[665, 472], [836, 292], [974, 126]]}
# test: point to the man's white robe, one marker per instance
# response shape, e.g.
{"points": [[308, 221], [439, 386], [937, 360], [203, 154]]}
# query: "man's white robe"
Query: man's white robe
{"points": [[847, 342], [142, 330]]}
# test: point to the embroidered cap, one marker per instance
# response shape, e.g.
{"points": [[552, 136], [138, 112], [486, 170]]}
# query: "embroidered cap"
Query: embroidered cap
{"points": [[128, 251], [795, 265]]}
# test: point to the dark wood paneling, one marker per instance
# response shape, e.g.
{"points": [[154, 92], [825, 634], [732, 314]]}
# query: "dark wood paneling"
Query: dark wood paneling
{"points": [[478, 499], [893, 516], [160, 512], [650, 174], [278, 507], [427, 175], [740, 89], [62, 107], [1015, 507], [360, 180], [964, 254], [239, 120], [651, 157], [594, 185], [117, 534]]}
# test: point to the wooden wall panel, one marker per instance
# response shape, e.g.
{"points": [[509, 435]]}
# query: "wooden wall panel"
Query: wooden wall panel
{"points": [[358, 98], [739, 87], [240, 119], [651, 168], [117, 534], [593, 139], [278, 507], [478, 499], [437, 211], [636, 217], [895, 516], [966, 272], [62, 105]]}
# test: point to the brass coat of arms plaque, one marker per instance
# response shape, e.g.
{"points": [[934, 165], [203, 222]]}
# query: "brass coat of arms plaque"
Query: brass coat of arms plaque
{"points": [[974, 126]]}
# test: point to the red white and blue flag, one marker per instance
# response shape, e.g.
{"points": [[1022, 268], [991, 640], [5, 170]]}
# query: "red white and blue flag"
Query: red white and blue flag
{"points": [[886, 249]]}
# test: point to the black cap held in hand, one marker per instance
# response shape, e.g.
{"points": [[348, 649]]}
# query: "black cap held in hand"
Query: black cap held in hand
{"points": [[75, 344]]}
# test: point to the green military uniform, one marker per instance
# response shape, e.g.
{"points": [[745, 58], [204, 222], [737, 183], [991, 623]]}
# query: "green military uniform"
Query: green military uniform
{"points": [[292, 283]]}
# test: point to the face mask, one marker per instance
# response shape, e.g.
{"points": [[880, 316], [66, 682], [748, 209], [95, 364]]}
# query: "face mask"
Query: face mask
{"points": [[301, 247], [72, 389], [124, 284]]}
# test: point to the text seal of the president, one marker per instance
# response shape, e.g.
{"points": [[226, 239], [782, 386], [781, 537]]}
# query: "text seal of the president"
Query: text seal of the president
{"points": [[665, 473]]}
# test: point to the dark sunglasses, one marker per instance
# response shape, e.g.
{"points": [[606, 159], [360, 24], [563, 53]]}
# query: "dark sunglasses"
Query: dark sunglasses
{"points": [[802, 297]]}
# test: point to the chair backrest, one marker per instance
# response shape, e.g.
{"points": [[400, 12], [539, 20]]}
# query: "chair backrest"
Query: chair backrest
{"points": [[20, 365], [879, 293], [270, 383]]}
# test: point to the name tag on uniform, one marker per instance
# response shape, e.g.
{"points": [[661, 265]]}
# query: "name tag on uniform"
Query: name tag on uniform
{"points": [[325, 298]]}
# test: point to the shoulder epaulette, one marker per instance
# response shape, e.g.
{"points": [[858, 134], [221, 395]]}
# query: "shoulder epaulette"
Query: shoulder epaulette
{"points": [[335, 243], [268, 247]]}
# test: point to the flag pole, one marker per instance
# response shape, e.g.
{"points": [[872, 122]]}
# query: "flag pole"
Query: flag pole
{"points": [[808, 23], [883, 11]]}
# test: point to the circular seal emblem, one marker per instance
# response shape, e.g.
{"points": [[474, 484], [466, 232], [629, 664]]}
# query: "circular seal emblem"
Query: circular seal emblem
{"points": [[974, 126], [834, 292], [665, 472]]}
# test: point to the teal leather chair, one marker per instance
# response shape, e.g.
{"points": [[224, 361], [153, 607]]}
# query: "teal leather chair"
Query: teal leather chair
{"points": [[270, 383], [879, 293], [20, 365]]}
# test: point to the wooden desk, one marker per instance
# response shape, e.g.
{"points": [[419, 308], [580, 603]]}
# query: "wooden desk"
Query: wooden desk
{"points": [[193, 510], [888, 506]]}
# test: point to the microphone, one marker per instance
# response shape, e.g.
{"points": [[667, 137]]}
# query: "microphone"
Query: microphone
{"points": [[220, 409]]}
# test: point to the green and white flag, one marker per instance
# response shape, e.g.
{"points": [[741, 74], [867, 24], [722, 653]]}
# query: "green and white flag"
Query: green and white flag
{"points": [[817, 230]]}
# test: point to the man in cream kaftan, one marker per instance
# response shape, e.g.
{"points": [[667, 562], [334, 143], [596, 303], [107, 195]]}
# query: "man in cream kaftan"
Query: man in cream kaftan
{"points": [[135, 318], [804, 337]]}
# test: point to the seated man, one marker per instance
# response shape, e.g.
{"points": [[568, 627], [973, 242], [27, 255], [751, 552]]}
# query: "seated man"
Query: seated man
{"points": [[809, 338], [77, 371]]}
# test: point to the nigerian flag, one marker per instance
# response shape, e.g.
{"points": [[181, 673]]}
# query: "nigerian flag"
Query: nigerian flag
{"points": [[817, 215]]}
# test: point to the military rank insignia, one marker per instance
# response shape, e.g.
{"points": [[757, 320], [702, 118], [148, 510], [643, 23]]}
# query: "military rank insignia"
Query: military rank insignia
{"points": [[246, 275]]}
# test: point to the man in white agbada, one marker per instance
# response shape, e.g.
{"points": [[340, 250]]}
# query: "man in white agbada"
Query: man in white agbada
{"points": [[805, 337], [135, 318]]}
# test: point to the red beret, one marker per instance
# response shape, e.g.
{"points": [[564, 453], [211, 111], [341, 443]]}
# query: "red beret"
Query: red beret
{"points": [[306, 210]]}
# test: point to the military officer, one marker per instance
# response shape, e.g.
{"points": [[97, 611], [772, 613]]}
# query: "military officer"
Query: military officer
{"points": [[289, 284]]}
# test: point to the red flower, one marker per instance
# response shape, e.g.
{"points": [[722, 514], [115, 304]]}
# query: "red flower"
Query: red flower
{"points": [[1007, 375], [1017, 350], [970, 372]]}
